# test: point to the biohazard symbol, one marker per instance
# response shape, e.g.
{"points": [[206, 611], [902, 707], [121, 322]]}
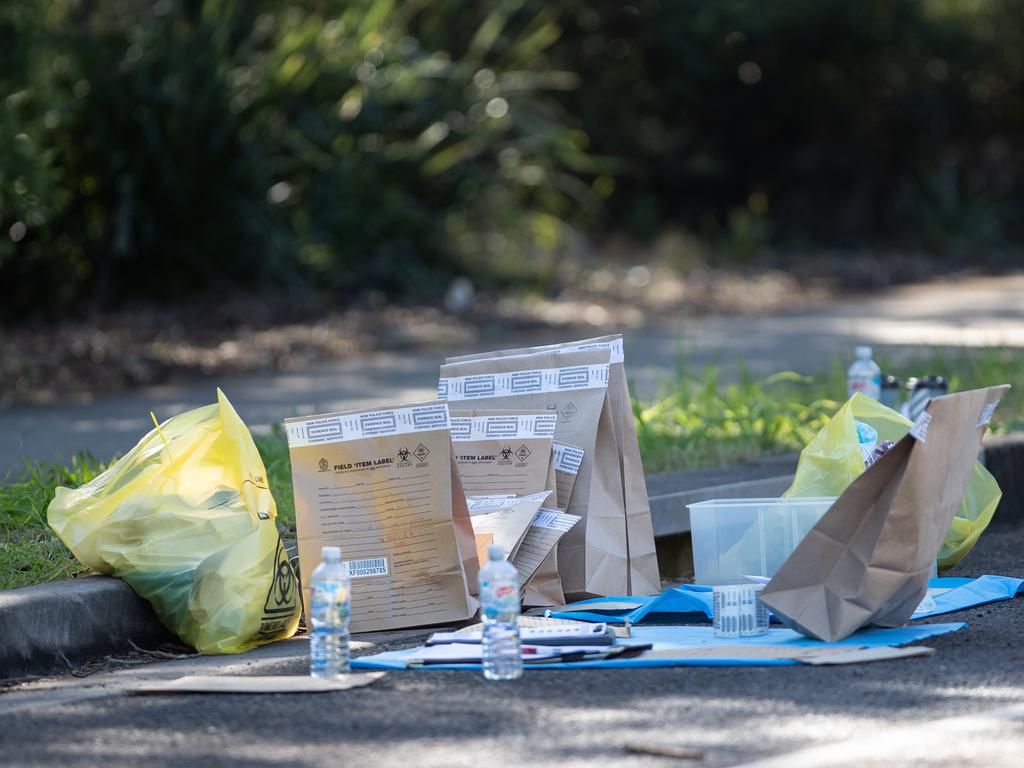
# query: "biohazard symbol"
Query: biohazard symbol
{"points": [[523, 452], [403, 455], [506, 454], [282, 595], [421, 452]]}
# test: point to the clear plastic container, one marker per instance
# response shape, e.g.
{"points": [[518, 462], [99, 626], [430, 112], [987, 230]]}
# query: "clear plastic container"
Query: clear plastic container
{"points": [[735, 538]]}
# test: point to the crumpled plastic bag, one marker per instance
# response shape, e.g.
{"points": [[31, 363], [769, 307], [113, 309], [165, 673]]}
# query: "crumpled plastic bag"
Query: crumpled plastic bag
{"points": [[831, 461], [187, 519]]}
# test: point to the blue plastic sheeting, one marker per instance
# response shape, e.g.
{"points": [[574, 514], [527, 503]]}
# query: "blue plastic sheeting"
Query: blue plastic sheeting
{"points": [[968, 593], [693, 601], [667, 637]]}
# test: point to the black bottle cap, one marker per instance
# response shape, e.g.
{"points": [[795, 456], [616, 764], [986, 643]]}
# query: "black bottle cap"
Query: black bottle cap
{"points": [[927, 382]]}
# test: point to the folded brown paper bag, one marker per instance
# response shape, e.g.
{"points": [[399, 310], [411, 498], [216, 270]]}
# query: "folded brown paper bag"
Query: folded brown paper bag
{"points": [[381, 484], [510, 452], [867, 561], [543, 589], [642, 576], [593, 557], [547, 527]]}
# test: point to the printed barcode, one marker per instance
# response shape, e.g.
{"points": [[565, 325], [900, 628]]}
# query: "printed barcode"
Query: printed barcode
{"points": [[371, 566]]}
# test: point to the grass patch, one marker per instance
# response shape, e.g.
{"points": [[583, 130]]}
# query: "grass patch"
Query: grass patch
{"points": [[274, 450], [30, 553], [702, 418], [699, 421]]}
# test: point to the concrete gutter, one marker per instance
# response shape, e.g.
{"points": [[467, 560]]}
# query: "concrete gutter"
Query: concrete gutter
{"points": [[53, 627], [671, 492]]}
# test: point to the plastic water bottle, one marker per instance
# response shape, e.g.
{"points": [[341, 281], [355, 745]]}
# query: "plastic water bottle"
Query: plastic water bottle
{"points": [[499, 607], [864, 375], [329, 613]]}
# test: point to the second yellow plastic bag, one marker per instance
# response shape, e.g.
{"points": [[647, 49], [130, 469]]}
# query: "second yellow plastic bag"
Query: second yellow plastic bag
{"points": [[187, 520], [831, 461]]}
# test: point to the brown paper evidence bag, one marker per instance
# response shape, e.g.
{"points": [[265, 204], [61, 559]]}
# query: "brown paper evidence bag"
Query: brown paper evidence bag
{"points": [[381, 484], [611, 551], [867, 561], [510, 452]]}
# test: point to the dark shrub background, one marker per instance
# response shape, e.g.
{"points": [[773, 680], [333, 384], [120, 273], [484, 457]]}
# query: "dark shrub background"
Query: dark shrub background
{"points": [[153, 151]]}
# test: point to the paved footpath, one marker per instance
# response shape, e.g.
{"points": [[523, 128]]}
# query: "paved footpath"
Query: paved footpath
{"points": [[962, 707], [955, 313]]}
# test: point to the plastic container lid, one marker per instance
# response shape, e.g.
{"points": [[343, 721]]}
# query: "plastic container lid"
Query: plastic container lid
{"points": [[495, 552], [330, 554], [863, 351]]}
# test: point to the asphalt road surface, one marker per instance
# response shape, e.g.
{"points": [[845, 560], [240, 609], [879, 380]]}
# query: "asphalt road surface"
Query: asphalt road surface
{"points": [[963, 706]]}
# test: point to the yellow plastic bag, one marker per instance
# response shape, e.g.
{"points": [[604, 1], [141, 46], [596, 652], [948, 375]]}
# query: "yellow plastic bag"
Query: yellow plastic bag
{"points": [[832, 460], [187, 520]]}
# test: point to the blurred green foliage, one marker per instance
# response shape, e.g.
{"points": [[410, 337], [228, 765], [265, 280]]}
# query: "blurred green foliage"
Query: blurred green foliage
{"points": [[204, 145], [155, 149]]}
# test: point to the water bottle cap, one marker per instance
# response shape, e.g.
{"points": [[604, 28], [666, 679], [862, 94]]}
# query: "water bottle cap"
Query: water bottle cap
{"points": [[495, 552], [864, 352], [330, 554]]}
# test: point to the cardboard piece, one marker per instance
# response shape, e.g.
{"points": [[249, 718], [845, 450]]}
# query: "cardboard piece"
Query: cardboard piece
{"points": [[816, 656], [381, 484], [505, 520], [868, 560], [862, 655], [483, 543], [502, 451], [593, 557], [257, 684], [642, 575]]}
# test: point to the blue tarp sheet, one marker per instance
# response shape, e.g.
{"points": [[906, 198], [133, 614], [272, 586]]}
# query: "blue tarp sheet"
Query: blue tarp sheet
{"points": [[692, 602], [666, 637]]}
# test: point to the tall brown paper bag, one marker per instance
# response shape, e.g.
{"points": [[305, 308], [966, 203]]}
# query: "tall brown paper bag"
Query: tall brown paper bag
{"points": [[867, 561], [593, 557], [643, 577]]}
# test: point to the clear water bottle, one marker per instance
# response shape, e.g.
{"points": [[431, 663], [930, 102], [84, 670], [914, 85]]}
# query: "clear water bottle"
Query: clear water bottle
{"points": [[499, 608], [329, 614], [864, 375]]}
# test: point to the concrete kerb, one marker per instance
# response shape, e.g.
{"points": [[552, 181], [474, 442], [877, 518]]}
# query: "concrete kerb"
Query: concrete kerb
{"points": [[52, 627]]}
